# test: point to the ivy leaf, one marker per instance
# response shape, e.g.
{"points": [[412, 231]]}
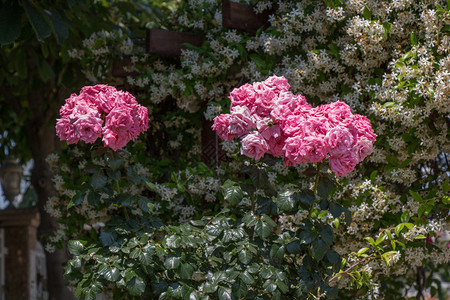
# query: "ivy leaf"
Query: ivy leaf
{"points": [[75, 247], [318, 249]]}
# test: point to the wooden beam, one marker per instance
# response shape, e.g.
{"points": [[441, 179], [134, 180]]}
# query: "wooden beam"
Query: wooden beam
{"points": [[170, 43], [119, 65], [243, 18]]}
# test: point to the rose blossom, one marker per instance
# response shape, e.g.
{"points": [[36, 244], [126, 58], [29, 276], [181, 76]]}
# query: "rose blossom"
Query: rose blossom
{"points": [[276, 84], [67, 108], [344, 164], [276, 146], [66, 131], [221, 126], [120, 121], [306, 149], [240, 120], [265, 101], [363, 148], [340, 114], [339, 140], [315, 126], [88, 128], [114, 140], [245, 95], [254, 145], [363, 127]]}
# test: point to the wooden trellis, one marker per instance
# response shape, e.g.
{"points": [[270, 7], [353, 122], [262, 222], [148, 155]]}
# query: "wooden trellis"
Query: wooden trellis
{"points": [[170, 43]]}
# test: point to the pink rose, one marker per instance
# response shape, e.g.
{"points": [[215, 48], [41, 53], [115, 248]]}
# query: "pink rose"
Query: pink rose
{"points": [[88, 128], [243, 96], [362, 148], [305, 149], [221, 126], [315, 126], [114, 140], [120, 121], [142, 115], [276, 146], [66, 131], [344, 164], [276, 84], [265, 101], [254, 146], [339, 140], [293, 126], [280, 112], [340, 114], [67, 108], [240, 121], [82, 108], [126, 99], [363, 127]]}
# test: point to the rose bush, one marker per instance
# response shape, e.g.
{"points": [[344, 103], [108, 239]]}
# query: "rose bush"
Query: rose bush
{"points": [[386, 60]]}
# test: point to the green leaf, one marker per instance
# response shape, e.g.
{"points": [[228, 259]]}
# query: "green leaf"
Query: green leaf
{"points": [[335, 209], [247, 277], [399, 228], [306, 198], [9, 24], [277, 252], [107, 238], [413, 39], [387, 27], [233, 195], [145, 258], [75, 247], [318, 249], [186, 271], [173, 241], [405, 217], [93, 198], [59, 25], [262, 229], [286, 201], [136, 286], [307, 236], [415, 196], [282, 286], [269, 286], [172, 262], [225, 294], [45, 71], [245, 256], [112, 274], [445, 187], [366, 13], [37, 20], [325, 187], [98, 180], [294, 247]]}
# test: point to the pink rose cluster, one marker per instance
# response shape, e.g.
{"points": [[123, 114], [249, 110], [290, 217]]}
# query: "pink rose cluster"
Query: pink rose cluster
{"points": [[268, 118], [101, 111]]}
